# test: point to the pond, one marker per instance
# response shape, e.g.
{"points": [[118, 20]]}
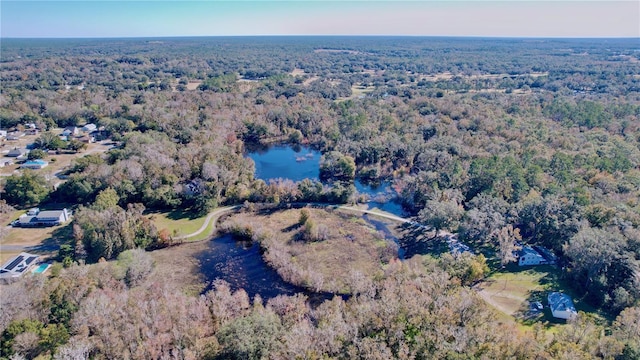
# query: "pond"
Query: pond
{"points": [[297, 163], [241, 264]]}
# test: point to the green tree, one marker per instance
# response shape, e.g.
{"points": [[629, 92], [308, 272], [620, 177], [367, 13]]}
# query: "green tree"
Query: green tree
{"points": [[76, 145], [106, 199], [14, 329], [36, 154], [304, 216], [27, 189], [135, 265], [50, 141], [335, 165]]}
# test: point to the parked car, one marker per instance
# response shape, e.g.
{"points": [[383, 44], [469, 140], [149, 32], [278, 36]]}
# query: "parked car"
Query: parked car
{"points": [[538, 305]]}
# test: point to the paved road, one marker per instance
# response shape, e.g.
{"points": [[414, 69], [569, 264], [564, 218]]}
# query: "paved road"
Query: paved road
{"points": [[217, 212], [214, 214]]}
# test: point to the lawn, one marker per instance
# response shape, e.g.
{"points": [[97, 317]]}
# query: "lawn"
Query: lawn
{"points": [[511, 291], [178, 222], [6, 255]]}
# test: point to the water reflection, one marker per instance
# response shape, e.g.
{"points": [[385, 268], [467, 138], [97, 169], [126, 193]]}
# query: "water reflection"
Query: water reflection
{"points": [[302, 162], [240, 263]]}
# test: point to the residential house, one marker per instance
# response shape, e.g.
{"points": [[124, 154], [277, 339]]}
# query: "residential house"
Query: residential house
{"points": [[3, 133], [37, 218], [529, 256], [14, 136], [18, 265], [89, 128], [70, 131], [31, 131], [17, 152], [561, 305], [547, 254]]}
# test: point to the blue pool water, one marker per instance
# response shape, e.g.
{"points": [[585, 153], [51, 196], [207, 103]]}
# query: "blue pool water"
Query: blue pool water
{"points": [[40, 269]]}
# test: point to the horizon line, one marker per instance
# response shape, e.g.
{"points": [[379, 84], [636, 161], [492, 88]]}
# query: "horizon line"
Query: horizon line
{"points": [[318, 35]]}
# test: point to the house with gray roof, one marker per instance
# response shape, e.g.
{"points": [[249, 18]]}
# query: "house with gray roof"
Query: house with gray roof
{"points": [[561, 305], [37, 218]]}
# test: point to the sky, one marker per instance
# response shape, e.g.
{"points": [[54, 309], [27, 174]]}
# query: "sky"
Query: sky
{"points": [[158, 18]]}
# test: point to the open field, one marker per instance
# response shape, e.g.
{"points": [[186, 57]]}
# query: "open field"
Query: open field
{"points": [[179, 267], [310, 80], [181, 225], [192, 85], [357, 91], [177, 222], [41, 241], [512, 290]]}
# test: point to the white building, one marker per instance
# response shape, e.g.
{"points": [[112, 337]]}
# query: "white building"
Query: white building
{"points": [[17, 265], [37, 218], [89, 128], [561, 306], [529, 256]]}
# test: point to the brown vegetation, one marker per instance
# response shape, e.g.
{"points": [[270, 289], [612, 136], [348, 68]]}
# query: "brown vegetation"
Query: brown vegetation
{"points": [[328, 251]]}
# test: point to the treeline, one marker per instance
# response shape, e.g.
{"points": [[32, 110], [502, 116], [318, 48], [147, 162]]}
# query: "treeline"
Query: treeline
{"points": [[123, 309]]}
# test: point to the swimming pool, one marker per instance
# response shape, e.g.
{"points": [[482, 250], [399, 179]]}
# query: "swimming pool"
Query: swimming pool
{"points": [[41, 269]]}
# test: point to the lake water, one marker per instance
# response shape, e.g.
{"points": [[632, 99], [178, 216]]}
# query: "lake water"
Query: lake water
{"points": [[302, 162], [241, 265]]}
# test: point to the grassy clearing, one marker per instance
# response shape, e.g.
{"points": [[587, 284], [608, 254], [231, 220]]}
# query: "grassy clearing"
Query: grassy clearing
{"points": [[36, 236], [512, 290], [178, 266], [7, 218], [206, 234], [177, 222], [6, 255]]}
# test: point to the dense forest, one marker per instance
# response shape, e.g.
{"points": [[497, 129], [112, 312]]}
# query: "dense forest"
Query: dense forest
{"points": [[506, 142]]}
